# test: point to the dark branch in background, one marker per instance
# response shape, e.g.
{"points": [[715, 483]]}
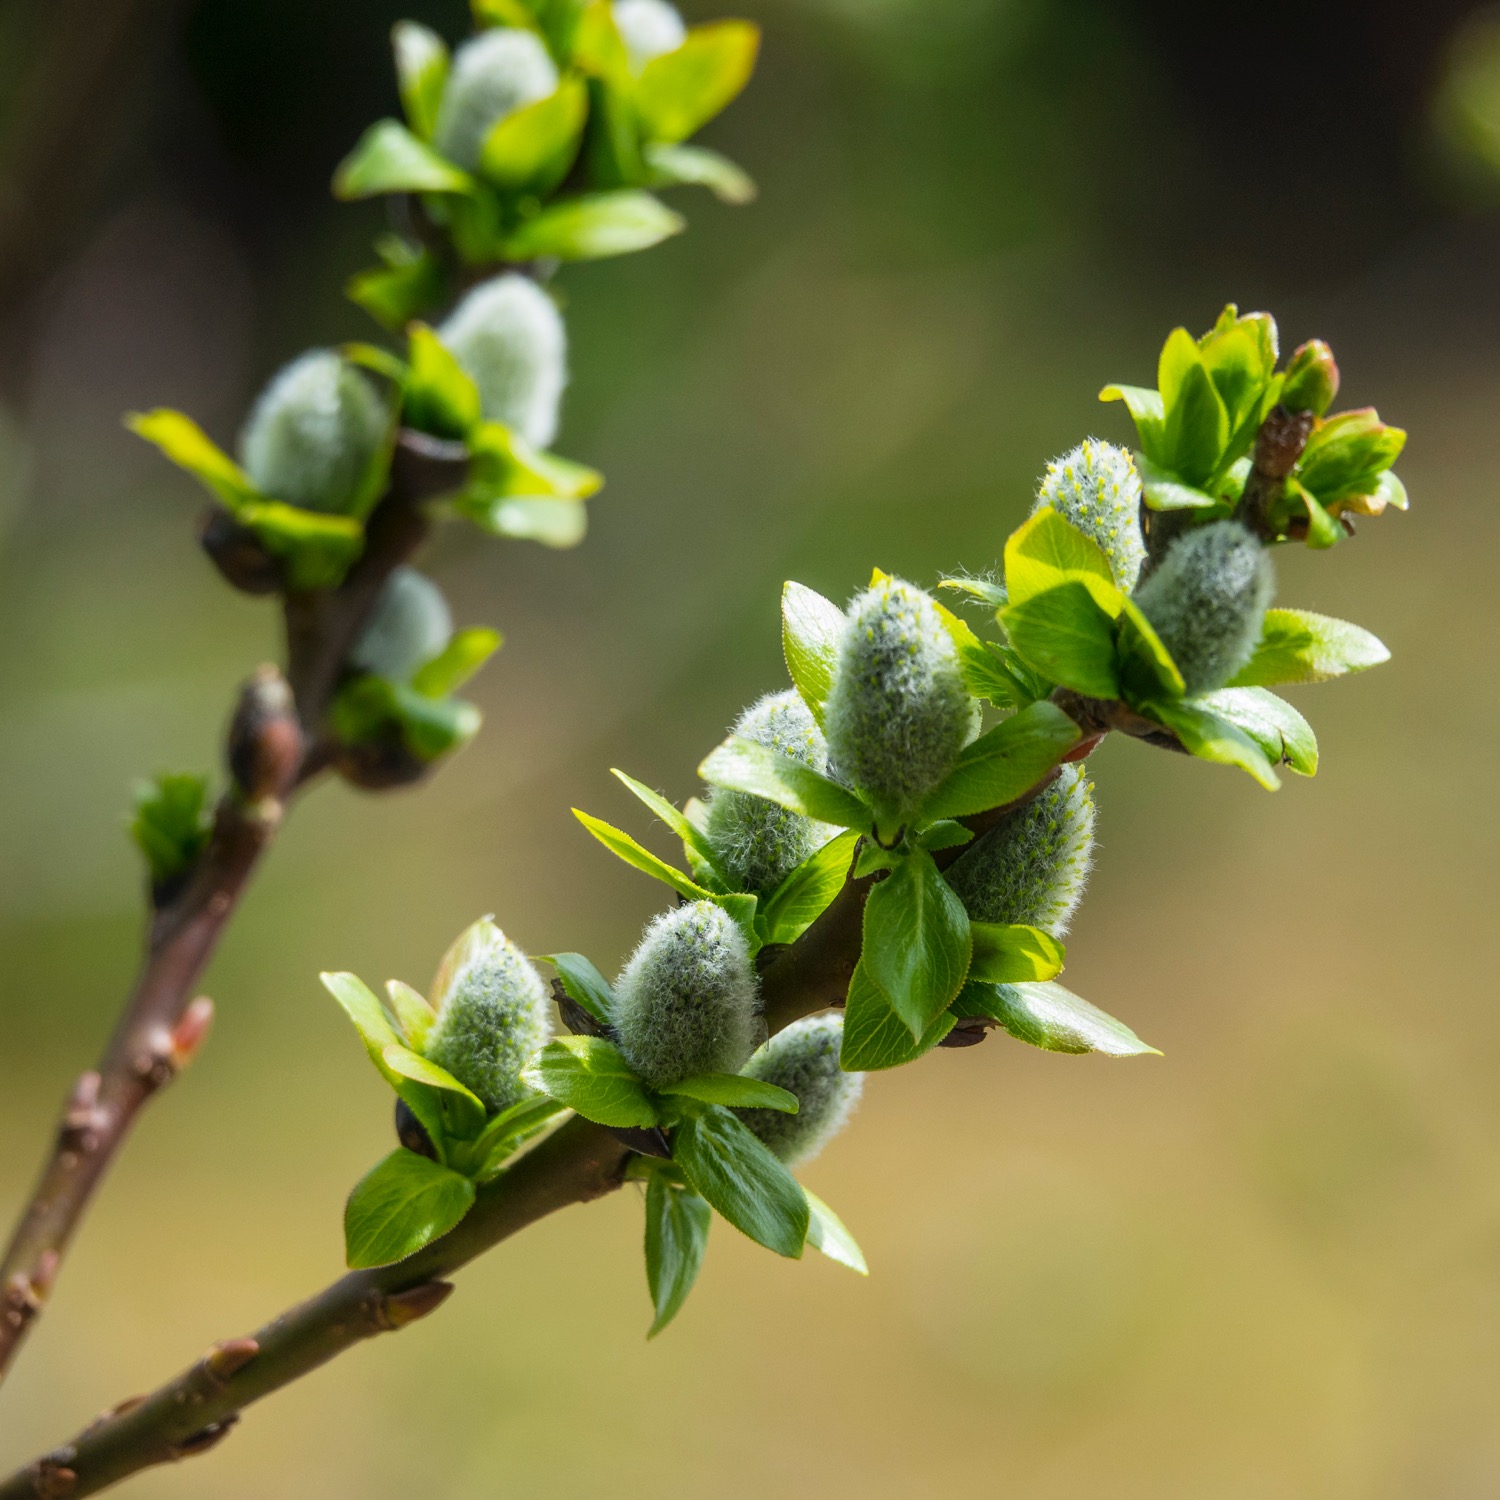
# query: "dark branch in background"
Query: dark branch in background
{"points": [[274, 747], [578, 1163]]}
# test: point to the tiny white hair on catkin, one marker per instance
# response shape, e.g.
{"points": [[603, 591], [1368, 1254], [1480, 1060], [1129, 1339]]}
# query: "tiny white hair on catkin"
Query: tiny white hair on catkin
{"points": [[510, 339], [1207, 600], [491, 76], [313, 432], [687, 1002], [804, 1060], [1097, 488], [649, 28], [758, 842], [410, 624]]}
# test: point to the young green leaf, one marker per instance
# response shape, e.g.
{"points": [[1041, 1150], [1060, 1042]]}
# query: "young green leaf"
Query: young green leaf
{"points": [[622, 846], [916, 941], [1067, 636], [531, 149], [747, 766], [401, 1205], [1197, 427], [171, 824], [696, 166], [593, 226], [683, 89], [554, 523], [1148, 414], [826, 1232], [458, 661], [734, 1090], [421, 71], [584, 984], [414, 1015], [690, 835], [1211, 737], [677, 1223], [1146, 667], [1297, 645], [729, 1167], [1049, 1016], [1048, 550], [186, 444], [801, 898], [509, 1130], [810, 629], [1161, 489], [1281, 732], [875, 1036], [368, 1015], [388, 158], [1004, 763], [1012, 953], [441, 398], [589, 1075]]}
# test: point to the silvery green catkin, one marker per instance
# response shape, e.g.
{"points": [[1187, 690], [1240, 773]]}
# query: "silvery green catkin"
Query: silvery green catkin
{"points": [[313, 432], [510, 339], [492, 76], [648, 28], [1097, 488], [687, 1001], [898, 713], [493, 1015], [1207, 600], [1032, 867], [409, 625], [804, 1059], [757, 842]]}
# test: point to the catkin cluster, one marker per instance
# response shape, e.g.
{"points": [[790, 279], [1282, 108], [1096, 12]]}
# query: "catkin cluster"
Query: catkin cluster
{"points": [[493, 1013], [804, 1060], [687, 1001], [1097, 488], [491, 76], [757, 842]]}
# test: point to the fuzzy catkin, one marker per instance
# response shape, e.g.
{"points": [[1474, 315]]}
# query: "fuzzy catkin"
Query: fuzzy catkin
{"points": [[687, 1001], [492, 76], [1033, 866], [648, 28], [1097, 488], [1207, 600], [510, 339], [410, 624], [313, 433], [898, 713], [492, 1017], [804, 1060], [758, 842]]}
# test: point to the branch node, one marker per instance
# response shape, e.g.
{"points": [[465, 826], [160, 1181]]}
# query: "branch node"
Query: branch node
{"points": [[225, 1359], [202, 1440], [394, 1310], [83, 1120], [265, 743], [51, 1478]]}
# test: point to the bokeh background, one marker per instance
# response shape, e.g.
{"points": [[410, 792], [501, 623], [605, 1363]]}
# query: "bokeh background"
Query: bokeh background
{"points": [[1264, 1265]]}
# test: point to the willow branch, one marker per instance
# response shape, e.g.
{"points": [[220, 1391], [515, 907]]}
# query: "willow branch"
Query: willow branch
{"points": [[578, 1163], [271, 752]]}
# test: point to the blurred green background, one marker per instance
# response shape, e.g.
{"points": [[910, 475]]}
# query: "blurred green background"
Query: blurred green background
{"points": [[1266, 1264]]}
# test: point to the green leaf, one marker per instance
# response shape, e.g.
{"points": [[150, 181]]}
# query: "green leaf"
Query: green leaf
{"points": [[388, 158], [457, 662], [531, 149], [729, 1167], [413, 1014], [187, 445], [1299, 646], [682, 90], [421, 72], [1013, 953], [1162, 489], [985, 590], [395, 294], [696, 166], [1005, 762], [1146, 667], [811, 627], [1047, 551], [315, 549], [441, 398], [944, 834], [1345, 455], [399, 1058], [826, 1232], [746, 766], [1148, 414], [171, 823], [584, 984], [690, 835], [1049, 1016], [677, 1223], [369, 709], [735, 1091], [1210, 737], [593, 226], [401, 1205], [1283, 735], [875, 1036], [510, 1130], [1323, 531], [368, 1015], [1197, 427], [916, 940], [506, 467], [554, 523], [622, 846], [589, 1075], [803, 896], [1068, 637], [989, 672]]}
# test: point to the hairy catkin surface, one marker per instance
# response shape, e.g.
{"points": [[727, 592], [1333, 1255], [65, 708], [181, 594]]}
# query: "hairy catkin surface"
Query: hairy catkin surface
{"points": [[687, 1001], [758, 842], [898, 713], [804, 1059], [493, 75], [1097, 488], [1032, 868], [494, 1016], [511, 341], [1207, 601], [313, 433], [409, 625], [648, 28]]}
